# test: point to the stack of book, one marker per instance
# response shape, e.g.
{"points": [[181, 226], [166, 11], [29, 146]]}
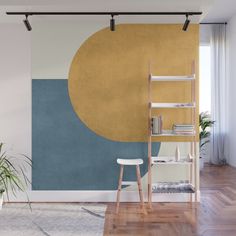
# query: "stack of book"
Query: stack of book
{"points": [[157, 125], [183, 129]]}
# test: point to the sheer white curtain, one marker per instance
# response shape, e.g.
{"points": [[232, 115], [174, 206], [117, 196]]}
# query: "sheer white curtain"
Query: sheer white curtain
{"points": [[219, 95]]}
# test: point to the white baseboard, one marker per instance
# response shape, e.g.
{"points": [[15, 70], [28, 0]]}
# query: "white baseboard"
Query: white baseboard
{"points": [[97, 196]]}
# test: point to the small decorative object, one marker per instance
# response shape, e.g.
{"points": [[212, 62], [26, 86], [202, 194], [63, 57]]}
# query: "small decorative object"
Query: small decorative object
{"points": [[183, 186], [189, 157], [177, 154]]}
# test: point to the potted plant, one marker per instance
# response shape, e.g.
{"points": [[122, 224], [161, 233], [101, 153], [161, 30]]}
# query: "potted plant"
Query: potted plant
{"points": [[205, 123], [12, 173]]}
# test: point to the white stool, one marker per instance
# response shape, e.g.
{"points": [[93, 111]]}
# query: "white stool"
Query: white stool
{"points": [[129, 162]]}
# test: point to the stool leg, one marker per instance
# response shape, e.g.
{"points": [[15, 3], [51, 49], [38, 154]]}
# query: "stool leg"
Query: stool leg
{"points": [[140, 187], [119, 189]]}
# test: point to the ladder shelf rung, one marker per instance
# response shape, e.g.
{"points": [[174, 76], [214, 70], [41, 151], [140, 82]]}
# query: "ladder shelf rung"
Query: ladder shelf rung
{"points": [[169, 133], [172, 105], [167, 78]]}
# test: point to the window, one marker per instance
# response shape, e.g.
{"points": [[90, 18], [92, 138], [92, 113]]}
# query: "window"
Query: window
{"points": [[205, 79]]}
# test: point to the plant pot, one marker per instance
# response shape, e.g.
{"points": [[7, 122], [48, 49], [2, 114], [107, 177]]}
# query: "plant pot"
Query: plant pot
{"points": [[201, 163], [1, 200]]}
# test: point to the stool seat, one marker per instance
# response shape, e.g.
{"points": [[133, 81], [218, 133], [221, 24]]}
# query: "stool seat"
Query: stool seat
{"points": [[129, 162]]}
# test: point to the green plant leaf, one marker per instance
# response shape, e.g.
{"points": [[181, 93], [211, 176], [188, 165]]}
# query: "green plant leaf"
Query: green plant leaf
{"points": [[204, 143], [12, 175], [205, 123]]}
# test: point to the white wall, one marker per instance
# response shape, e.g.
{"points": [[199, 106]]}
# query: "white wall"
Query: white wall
{"points": [[54, 44], [205, 34], [231, 37], [205, 37], [15, 88]]}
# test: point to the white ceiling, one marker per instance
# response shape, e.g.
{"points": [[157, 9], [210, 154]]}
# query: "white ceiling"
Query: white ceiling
{"points": [[213, 10], [221, 11]]}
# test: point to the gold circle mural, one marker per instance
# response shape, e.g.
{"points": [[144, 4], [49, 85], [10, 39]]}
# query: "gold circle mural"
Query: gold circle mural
{"points": [[108, 78]]}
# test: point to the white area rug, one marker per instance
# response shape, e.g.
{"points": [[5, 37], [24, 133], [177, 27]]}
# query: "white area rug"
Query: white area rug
{"points": [[52, 219]]}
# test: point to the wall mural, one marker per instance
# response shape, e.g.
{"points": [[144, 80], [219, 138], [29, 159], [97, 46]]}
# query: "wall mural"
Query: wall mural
{"points": [[83, 124], [66, 154]]}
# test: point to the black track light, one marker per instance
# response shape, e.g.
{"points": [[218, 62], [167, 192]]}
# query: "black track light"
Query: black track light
{"points": [[27, 24], [186, 23], [112, 24]]}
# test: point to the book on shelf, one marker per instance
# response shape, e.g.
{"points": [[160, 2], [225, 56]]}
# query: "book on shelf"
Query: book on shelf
{"points": [[183, 129], [183, 133], [157, 125], [183, 126]]}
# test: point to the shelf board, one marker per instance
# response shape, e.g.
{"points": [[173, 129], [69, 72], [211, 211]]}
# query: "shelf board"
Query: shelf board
{"points": [[172, 163], [169, 162], [170, 133], [172, 78], [172, 105]]}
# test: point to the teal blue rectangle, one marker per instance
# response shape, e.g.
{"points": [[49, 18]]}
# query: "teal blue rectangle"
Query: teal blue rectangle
{"points": [[66, 154]]}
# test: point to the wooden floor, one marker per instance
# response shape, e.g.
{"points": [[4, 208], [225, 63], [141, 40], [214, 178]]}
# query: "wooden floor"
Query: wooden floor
{"points": [[214, 216]]}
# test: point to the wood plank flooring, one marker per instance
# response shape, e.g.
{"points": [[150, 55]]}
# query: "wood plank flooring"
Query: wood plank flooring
{"points": [[214, 216]]}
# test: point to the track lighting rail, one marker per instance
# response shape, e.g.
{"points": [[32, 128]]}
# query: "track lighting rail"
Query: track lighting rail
{"points": [[103, 13]]}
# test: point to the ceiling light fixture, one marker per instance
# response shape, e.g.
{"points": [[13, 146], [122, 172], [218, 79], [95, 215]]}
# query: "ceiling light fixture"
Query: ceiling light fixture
{"points": [[27, 24], [112, 24], [186, 23]]}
